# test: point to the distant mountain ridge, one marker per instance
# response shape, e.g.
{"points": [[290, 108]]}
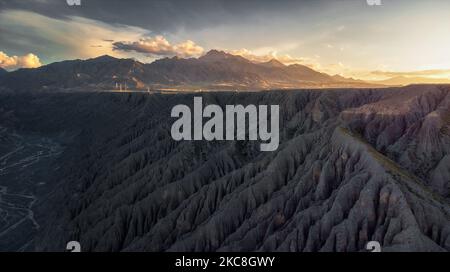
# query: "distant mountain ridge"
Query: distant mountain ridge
{"points": [[403, 80], [214, 70]]}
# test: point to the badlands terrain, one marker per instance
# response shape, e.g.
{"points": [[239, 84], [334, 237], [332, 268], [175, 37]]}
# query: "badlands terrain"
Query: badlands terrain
{"points": [[353, 165]]}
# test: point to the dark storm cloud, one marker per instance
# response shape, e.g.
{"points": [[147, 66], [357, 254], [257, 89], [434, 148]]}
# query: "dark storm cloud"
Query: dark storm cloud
{"points": [[158, 15]]}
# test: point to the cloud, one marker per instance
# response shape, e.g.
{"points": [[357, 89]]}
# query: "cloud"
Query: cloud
{"points": [[284, 58], [14, 62], [54, 39], [160, 46], [188, 48], [163, 16]]}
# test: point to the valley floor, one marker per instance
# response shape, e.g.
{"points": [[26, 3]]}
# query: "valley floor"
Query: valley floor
{"points": [[25, 164]]}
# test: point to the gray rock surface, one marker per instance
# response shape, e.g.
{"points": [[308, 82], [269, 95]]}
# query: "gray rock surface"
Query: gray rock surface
{"points": [[352, 166]]}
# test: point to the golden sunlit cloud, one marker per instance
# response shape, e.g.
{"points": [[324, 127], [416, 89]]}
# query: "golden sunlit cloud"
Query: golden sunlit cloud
{"points": [[15, 62], [160, 46], [284, 58]]}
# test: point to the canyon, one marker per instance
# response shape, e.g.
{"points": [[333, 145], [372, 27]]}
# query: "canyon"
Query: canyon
{"points": [[353, 165]]}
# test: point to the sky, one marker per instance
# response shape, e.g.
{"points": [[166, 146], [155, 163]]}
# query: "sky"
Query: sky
{"points": [[346, 37]]}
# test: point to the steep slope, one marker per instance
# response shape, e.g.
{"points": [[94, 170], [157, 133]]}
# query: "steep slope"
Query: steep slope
{"points": [[332, 185], [411, 127]]}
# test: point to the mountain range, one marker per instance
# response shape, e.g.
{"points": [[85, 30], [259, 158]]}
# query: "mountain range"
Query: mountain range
{"points": [[214, 70]]}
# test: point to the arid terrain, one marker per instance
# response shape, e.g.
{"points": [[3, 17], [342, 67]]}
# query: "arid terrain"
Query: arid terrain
{"points": [[353, 165]]}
